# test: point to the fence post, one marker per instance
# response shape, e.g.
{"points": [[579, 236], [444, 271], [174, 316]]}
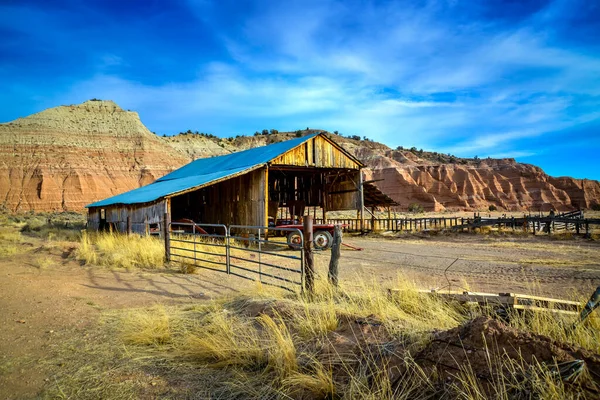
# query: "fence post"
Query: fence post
{"points": [[309, 269], [167, 235], [335, 256], [128, 225]]}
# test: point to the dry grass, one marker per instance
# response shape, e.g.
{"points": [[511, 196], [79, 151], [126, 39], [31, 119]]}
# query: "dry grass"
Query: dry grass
{"points": [[280, 347], [43, 262], [560, 328], [147, 327], [510, 379], [266, 344], [116, 250], [10, 238]]}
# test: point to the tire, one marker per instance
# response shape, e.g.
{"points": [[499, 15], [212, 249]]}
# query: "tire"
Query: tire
{"points": [[294, 240], [322, 240]]}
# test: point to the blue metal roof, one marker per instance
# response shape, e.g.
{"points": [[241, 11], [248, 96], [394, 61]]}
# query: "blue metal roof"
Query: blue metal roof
{"points": [[203, 171]]}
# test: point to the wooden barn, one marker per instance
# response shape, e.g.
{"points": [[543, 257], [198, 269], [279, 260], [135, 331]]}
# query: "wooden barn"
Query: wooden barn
{"points": [[251, 187]]}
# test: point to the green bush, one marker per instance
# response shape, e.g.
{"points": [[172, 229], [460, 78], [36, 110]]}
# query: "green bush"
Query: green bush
{"points": [[415, 208], [596, 207], [492, 207]]}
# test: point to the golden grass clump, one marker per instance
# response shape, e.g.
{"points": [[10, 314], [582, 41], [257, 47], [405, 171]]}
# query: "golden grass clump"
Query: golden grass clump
{"points": [[403, 311], [147, 327], [315, 320], [226, 340], [116, 250]]}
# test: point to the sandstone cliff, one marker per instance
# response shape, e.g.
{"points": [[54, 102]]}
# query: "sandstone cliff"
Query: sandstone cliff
{"points": [[66, 157]]}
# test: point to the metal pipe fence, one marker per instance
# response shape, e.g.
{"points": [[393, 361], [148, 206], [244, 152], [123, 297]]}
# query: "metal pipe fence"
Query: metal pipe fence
{"points": [[251, 252]]}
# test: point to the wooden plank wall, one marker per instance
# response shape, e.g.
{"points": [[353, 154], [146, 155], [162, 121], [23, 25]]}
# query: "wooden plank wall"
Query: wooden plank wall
{"points": [[236, 201], [93, 219], [342, 201], [317, 152], [117, 216]]}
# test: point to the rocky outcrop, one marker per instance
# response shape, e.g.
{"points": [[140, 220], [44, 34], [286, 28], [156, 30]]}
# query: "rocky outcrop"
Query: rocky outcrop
{"points": [[66, 157], [510, 187]]}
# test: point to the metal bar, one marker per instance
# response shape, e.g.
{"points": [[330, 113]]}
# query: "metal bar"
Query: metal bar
{"points": [[268, 264], [266, 274], [199, 251], [190, 242], [264, 283], [192, 258], [267, 252]]}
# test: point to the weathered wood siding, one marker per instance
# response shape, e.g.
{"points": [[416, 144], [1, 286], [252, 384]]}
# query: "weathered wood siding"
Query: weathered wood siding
{"points": [[236, 201], [140, 216], [93, 219], [317, 152], [342, 201]]}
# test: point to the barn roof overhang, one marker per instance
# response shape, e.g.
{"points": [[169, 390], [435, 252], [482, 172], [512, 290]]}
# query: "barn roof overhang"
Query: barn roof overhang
{"points": [[208, 171]]}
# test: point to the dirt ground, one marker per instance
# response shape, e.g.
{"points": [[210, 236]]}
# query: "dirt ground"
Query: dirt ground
{"points": [[45, 304], [521, 264]]}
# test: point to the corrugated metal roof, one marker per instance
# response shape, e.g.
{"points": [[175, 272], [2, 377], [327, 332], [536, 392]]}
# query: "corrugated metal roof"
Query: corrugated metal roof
{"points": [[204, 171]]}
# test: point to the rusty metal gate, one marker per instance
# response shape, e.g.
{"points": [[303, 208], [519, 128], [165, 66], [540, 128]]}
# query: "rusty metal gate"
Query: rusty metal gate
{"points": [[251, 252]]}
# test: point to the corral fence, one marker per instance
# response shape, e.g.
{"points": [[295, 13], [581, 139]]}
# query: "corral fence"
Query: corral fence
{"points": [[247, 252], [573, 222]]}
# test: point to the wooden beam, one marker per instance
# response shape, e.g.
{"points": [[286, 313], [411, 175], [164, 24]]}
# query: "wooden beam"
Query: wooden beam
{"points": [[266, 200], [361, 200]]}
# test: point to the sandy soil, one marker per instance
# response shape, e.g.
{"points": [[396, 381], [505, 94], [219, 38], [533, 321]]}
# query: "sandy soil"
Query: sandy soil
{"points": [[513, 264], [44, 305]]}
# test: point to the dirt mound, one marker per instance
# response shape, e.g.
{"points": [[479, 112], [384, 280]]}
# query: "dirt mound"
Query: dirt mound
{"points": [[470, 344]]}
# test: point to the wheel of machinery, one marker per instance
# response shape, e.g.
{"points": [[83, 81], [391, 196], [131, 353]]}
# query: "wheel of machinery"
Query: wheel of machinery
{"points": [[322, 240]]}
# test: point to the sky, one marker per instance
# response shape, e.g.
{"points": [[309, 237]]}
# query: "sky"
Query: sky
{"points": [[488, 78]]}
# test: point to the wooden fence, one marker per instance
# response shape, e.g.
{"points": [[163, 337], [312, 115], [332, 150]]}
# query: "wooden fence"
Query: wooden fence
{"points": [[536, 224]]}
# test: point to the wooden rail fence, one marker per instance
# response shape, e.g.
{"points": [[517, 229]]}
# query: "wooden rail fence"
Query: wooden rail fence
{"points": [[536, 224]]}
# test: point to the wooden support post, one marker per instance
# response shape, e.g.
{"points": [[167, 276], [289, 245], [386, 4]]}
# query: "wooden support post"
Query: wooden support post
{"points": [[372, 219], [361, 201], [587, 229], [335, 256], [577, 224], [129, 225], [167, 236], [309, 266]]}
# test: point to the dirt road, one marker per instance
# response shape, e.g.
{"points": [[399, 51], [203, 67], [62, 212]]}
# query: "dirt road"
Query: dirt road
{"points": [[553, 268]]}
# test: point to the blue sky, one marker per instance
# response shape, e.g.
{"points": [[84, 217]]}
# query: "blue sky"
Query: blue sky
{"points": [[488, 78]]}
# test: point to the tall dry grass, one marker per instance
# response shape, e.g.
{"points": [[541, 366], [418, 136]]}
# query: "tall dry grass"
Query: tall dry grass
{"points": [[276, 345], [281, 345], [115, 250]]}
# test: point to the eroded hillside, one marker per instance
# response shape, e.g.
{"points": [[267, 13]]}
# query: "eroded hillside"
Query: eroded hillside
{"points": [[66, 157]]}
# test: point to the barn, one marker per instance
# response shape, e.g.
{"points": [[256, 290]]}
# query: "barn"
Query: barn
{"points": [[255, 187]]}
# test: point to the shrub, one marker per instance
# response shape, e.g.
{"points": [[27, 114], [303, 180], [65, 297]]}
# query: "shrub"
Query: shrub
{"points": [[492, 207], [596, 207], [415, 208], [121, 251]]}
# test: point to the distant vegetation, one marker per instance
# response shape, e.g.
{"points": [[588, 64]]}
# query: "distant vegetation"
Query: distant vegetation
{"points": [[415, 208], [432, 156]]}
